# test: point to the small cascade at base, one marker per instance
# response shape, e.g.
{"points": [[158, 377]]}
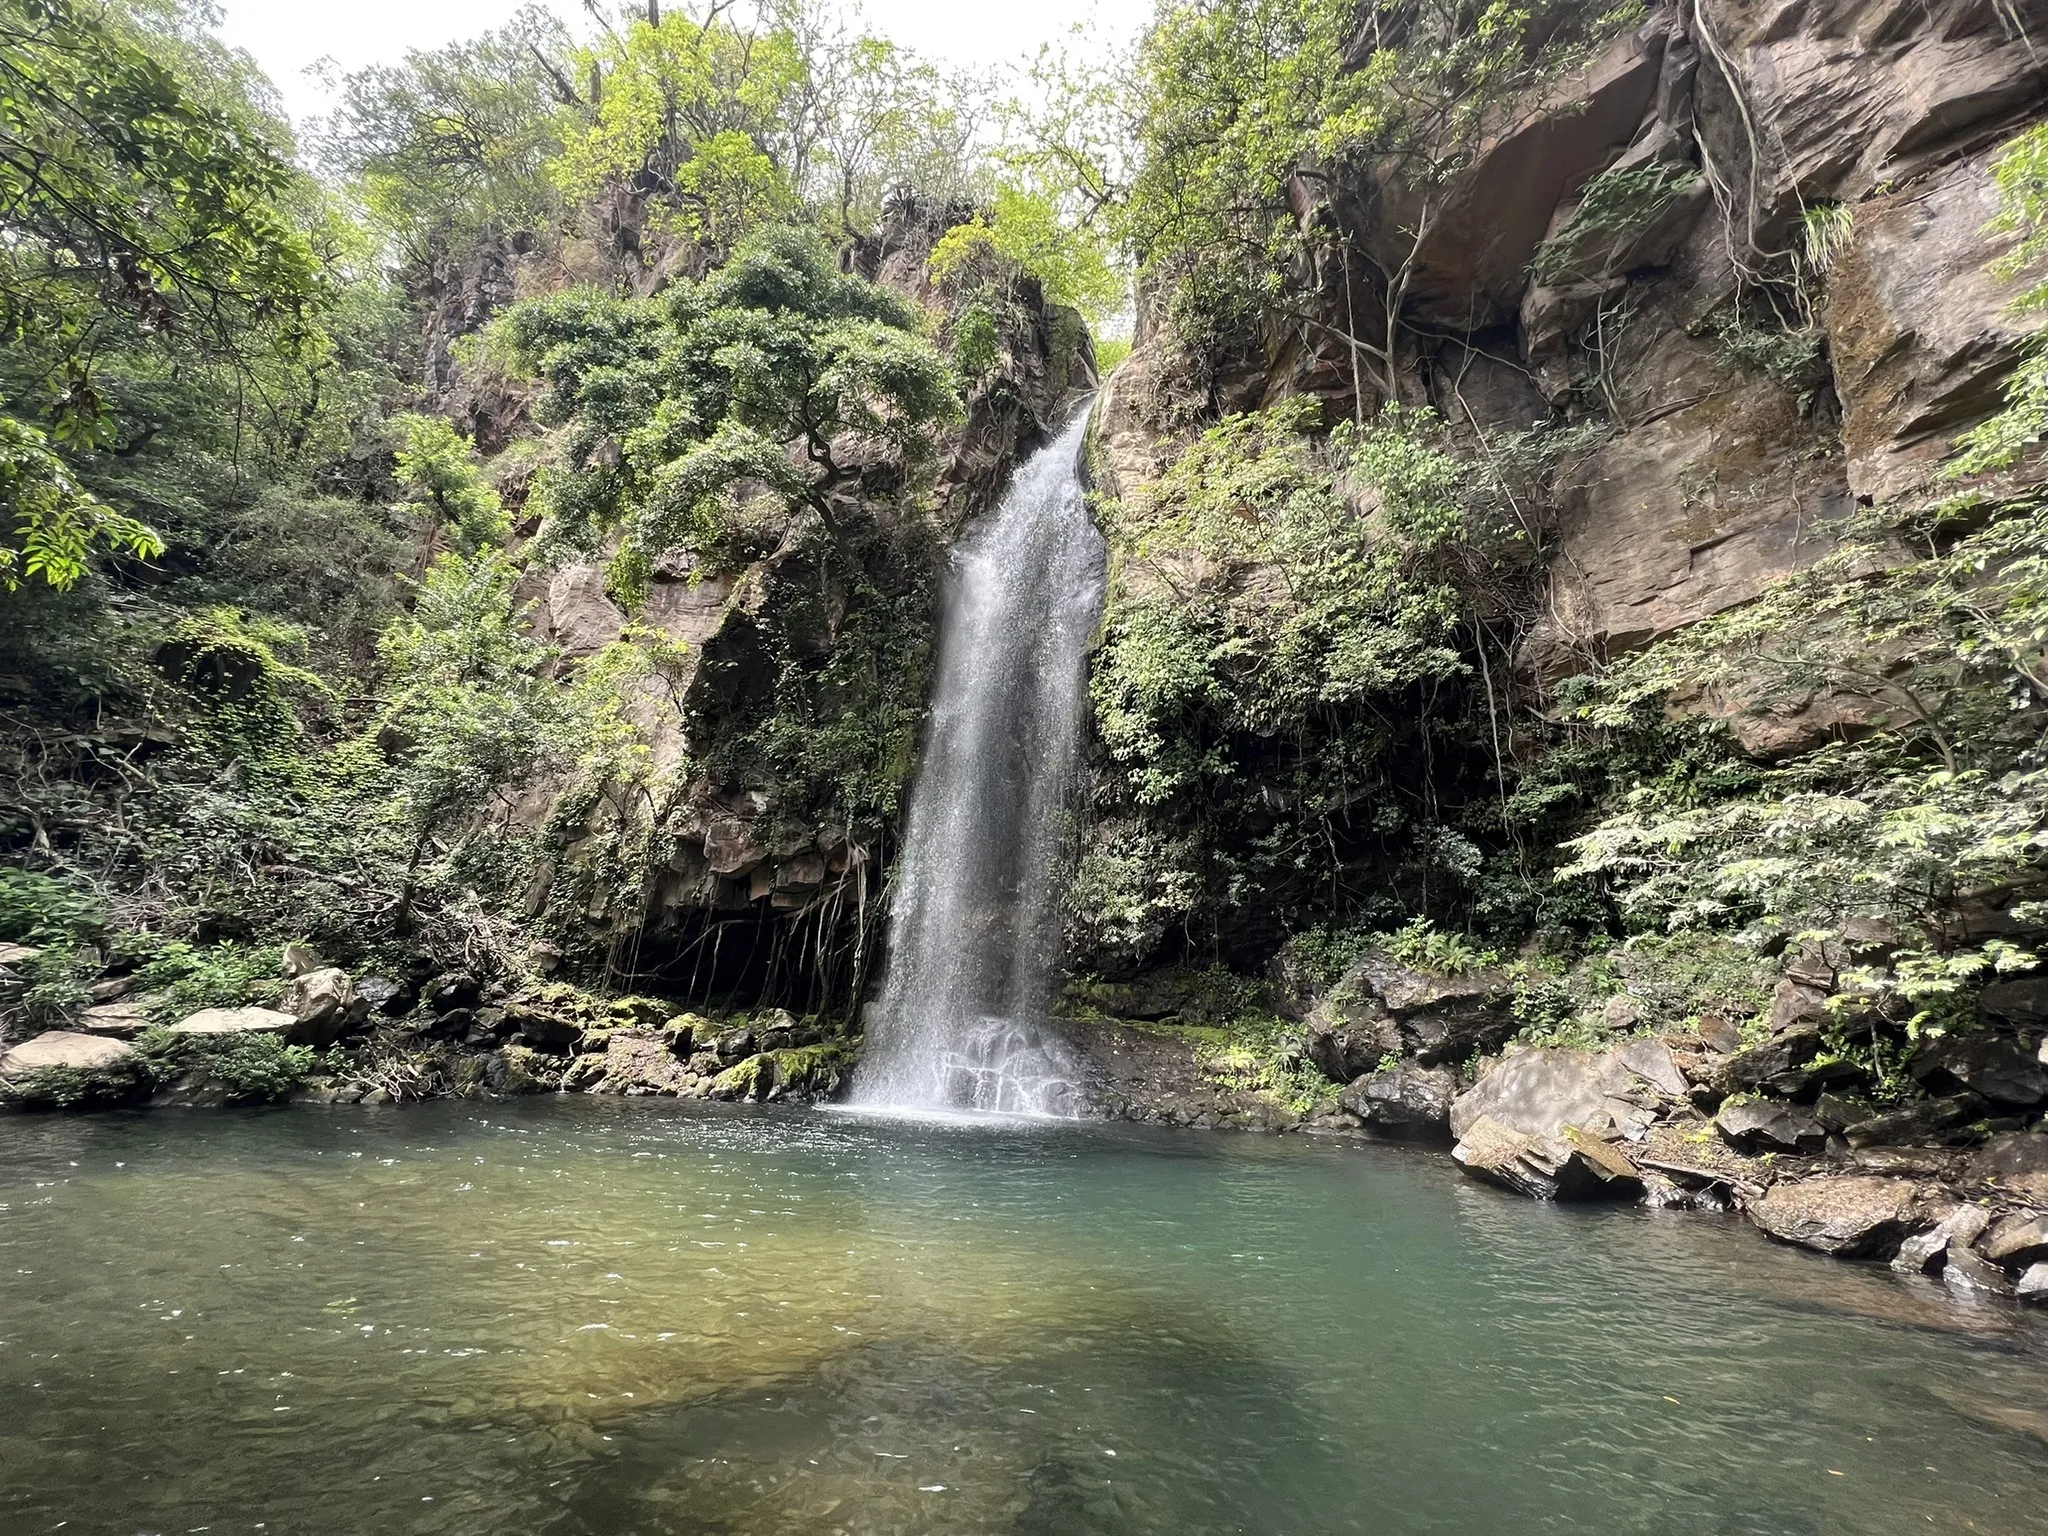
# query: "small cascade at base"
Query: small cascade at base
{"points": [[973, 932]]}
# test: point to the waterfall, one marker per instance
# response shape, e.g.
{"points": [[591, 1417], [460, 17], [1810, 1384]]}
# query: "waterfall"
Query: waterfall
{"points": [[973, 931]]}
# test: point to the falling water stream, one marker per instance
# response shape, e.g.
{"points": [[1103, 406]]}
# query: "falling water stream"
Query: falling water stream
{"points": [[973, 930]]}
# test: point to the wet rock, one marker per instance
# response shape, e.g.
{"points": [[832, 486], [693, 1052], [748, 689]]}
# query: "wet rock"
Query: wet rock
{"points": [[64, 1048], [1661, 1192], [2033, 1285], [1851, 1216], [236, 1021], [1406, 1102], [1571, 1166], [1540, 1092], [1924, 1251], [1967, 1271], [584, 1074], [1914, 1122], [326, 1004], [1652, 1061], [2018, 1238], [1996, 1066], [1761, 1125]]}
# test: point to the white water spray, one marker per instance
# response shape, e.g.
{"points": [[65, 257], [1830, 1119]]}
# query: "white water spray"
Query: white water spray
{"points": [[973, 934]]}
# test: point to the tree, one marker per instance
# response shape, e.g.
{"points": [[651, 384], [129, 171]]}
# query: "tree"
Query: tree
{"points": [[138, 211], [695, 114], [456, 139], [765, 380]]}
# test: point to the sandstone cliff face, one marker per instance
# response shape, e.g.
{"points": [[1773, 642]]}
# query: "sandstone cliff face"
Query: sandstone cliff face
{"points": [[1718, 477], [1797, 321]]}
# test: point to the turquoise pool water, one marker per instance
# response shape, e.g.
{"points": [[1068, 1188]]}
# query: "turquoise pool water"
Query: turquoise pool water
{"points": [[603, 1316]]}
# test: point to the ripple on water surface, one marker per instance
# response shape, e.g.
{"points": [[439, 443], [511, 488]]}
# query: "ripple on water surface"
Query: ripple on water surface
{"points": [[576, 1316]]}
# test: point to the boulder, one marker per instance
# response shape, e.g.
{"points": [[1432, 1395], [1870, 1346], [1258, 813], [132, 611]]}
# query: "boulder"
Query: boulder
{"points": [[1571, 1166], [2023, 1000], [1996, 1066], [2018, 1238], [542, 1030], [1541, 1092], [1967, 1271], [385, 995], [1405, 1102], [2016, 1161], [638, 1062], [1719, 1035], [16, 954], [302, 959], [63, 1048], [1851, 1216], [754, 1078], [126, 1019], [1436, 1019], [1925, 1250], [236, 1021], [1797, 1001], [2033, 1285], [1914, 1122], [1352, 1050], [1776, 1065], [1652, 1061], [326, 1005], [1763, 1125]]}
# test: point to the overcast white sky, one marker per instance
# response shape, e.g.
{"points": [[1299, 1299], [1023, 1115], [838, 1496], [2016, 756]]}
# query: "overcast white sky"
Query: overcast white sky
{"points": [[288, 35]]}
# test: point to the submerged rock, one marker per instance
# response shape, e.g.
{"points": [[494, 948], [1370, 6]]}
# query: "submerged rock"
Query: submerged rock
{"points": [[1851, 1216]]}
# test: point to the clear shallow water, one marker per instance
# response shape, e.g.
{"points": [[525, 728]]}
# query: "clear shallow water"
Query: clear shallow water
{"points": [[584, 1316]]}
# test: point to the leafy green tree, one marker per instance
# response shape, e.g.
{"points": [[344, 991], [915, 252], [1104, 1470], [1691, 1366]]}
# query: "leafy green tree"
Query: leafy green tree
{"points": [[694, 113], [439, 464], [457, 139], [766, 383]]}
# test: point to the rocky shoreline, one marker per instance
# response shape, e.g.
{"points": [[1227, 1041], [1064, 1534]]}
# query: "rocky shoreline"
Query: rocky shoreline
{"points": [[1950, 1181]]}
